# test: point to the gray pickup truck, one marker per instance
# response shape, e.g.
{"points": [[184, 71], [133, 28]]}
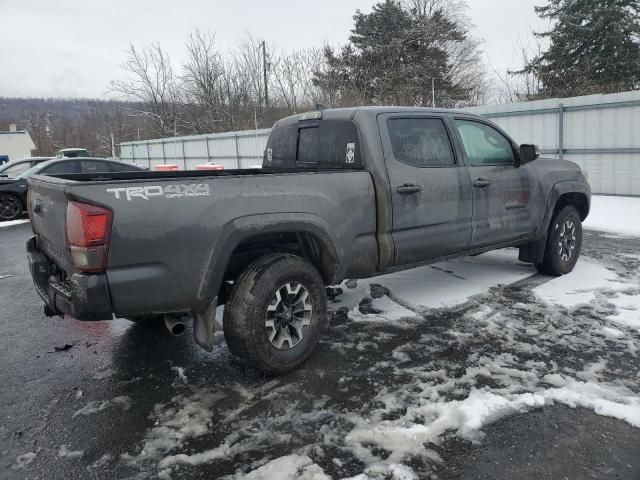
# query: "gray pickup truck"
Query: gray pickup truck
{"points": [[343, 194]]}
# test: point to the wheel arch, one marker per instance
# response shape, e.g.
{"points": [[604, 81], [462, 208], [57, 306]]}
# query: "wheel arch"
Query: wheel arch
{"points": [[562, 194], [246, 239]]}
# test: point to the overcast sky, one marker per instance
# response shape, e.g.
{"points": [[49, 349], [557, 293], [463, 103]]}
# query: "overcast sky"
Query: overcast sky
{"points": [[73, 48]]}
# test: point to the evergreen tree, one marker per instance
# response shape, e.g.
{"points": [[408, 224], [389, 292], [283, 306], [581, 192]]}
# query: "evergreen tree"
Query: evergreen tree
{"points": [[594, 47], [394, 53]]}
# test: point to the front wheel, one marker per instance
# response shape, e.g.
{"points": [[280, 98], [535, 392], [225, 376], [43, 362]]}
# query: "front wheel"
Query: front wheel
{"points": [[10, 207], [564, 242], [276, 313]]}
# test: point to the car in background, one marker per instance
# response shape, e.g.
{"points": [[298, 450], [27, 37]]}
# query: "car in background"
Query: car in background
{"points": [[73, 153], [15, 168], [13, 191]]}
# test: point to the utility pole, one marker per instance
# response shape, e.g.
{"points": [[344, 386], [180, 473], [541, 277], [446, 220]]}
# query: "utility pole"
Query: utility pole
{"points": [[433, 92], [113, 146], [264, 72]]}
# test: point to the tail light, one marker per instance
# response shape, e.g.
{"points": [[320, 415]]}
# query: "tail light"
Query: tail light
{"points": [[88, 232]]}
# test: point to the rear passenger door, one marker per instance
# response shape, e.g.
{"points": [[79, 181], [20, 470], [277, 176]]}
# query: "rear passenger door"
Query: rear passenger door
{"points": [[430, 188], [505, 194]]}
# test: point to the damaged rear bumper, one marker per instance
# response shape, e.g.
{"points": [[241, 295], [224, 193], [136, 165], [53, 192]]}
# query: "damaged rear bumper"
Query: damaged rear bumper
{"points": [[84, 297]]}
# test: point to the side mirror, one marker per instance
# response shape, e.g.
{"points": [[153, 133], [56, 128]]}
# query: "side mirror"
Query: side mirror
{"points": [[528, 153]]}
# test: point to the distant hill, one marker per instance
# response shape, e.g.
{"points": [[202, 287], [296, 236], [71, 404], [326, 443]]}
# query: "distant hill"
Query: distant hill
{"points": [[56, 123]]}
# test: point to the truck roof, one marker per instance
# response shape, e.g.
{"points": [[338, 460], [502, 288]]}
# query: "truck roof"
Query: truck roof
{"points": [[349, 113]]}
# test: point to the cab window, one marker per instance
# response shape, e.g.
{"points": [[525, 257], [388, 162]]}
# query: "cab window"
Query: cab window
{"points": [[420, 142]]}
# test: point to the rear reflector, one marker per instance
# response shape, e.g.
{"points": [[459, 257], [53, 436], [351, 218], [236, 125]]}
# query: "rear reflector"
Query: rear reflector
{"points": [[88, 232]]}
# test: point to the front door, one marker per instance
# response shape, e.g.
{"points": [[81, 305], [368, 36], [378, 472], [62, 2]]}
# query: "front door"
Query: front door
{"points": [[430, 188], [505, 194]]}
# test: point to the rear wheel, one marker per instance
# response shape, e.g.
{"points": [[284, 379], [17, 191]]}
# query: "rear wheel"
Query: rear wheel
{"points": [[276, 313], [564, 242], [10, 207]]}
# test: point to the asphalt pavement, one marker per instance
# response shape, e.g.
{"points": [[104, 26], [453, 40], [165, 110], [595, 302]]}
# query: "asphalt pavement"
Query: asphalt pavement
{"points": [[82, 399]]}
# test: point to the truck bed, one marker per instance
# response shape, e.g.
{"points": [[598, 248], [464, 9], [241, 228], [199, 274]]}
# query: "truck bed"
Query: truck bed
{"points": [[174, 232]]}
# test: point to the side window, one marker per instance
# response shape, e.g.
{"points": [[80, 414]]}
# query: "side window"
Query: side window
{"points": [[329, 144], [60, 168], [94, 167], [420, 142], [485, 145]]}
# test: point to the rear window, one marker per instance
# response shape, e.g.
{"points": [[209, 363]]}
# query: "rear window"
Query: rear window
{"points": [[325, 144]]}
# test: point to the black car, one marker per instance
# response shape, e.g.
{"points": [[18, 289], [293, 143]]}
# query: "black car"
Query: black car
{"points": [[13, 191]]}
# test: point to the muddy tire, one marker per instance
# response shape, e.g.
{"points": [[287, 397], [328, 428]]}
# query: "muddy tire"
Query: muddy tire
{"points": [[564, 242], [276, 313]]}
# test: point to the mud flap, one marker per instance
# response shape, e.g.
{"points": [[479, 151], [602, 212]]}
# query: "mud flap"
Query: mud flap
{"points": [[204, 326], [533, 252]]}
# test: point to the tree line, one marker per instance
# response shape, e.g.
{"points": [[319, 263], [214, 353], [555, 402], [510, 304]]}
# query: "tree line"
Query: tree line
{"points": [[402, 52]]}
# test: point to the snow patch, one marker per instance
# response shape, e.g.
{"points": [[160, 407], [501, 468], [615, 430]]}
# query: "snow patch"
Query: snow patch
{"points": [[290, 467], [11, 223], [96, 406], [64, 452], [25, 459], [611, 214]]}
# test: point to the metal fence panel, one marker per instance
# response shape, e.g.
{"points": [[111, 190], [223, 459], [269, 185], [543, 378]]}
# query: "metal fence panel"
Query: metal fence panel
{"points": [[231, 150]]}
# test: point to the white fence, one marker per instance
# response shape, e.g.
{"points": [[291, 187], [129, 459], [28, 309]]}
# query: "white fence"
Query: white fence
{"points": [[231, 150], [598, 132]]}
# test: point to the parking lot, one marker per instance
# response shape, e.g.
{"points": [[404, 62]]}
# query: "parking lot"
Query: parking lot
{"points": [[477, 368]]}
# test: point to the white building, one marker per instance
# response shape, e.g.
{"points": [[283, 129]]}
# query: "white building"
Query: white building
{"points": [[15, 144]]}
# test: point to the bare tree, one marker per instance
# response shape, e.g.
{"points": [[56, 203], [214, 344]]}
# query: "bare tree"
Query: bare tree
{"points": [[153, 83], [518, 86], [292, 79]]}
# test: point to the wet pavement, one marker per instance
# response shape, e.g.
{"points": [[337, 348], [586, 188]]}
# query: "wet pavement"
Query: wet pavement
{"points": [[131, 401]]}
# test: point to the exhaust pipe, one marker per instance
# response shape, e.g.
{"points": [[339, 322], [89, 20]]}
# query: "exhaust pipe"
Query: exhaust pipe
{"points": [[175, 325]]}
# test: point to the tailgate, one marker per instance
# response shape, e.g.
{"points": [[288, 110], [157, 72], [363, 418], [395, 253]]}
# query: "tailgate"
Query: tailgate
{"points": [[48, 210]]}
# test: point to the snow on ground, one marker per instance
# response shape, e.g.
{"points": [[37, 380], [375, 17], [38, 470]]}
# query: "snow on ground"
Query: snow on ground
{"points": [[619, 215], [439, 286], [64, 452], [587, 279], [413, 359], [96, 406], [290, 467], [402, 374], [13, 222]]}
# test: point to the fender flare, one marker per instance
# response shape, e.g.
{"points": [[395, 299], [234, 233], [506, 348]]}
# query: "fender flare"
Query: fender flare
{"points": [[534, 252], [243, 228]]}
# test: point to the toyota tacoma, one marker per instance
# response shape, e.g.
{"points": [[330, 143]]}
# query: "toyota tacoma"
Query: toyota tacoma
{"points": [[343, 194]]}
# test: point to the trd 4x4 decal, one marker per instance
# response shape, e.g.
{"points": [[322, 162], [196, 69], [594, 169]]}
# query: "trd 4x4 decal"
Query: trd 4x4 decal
{"points": [[177, 190]]}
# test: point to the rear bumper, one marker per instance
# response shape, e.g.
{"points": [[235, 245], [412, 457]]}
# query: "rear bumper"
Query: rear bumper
{"points": [[84, 297]]}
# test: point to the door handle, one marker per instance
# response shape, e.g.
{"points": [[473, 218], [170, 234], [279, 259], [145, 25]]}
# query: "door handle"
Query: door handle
{"points": [[37, 206], [409, 188], [481, 183]]}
